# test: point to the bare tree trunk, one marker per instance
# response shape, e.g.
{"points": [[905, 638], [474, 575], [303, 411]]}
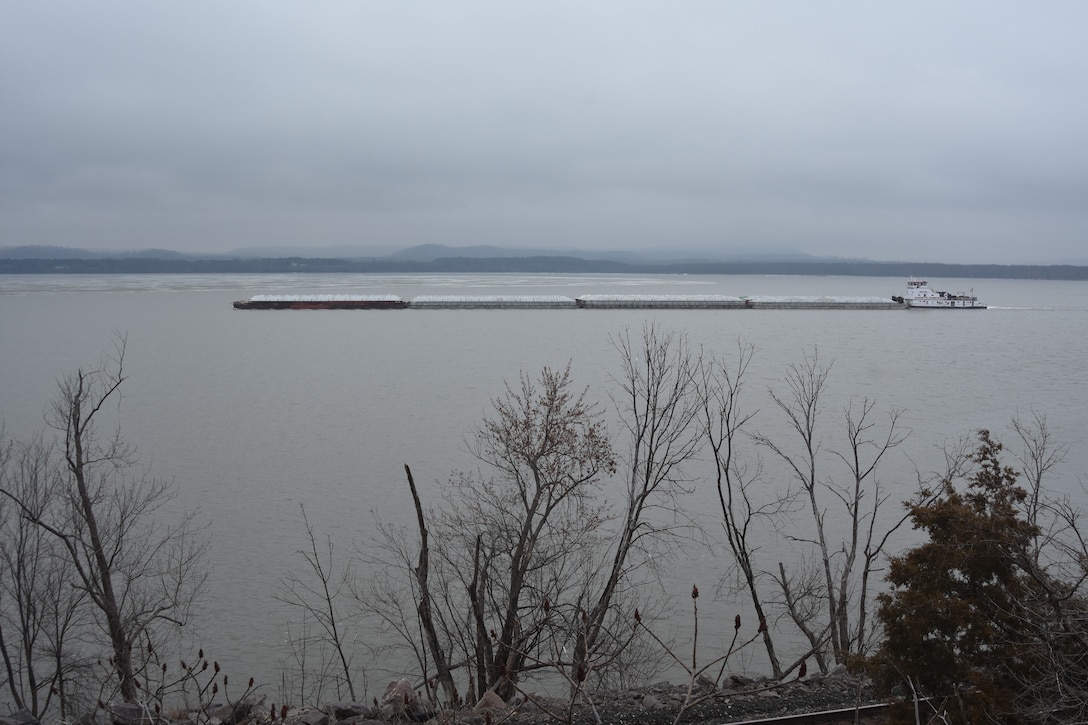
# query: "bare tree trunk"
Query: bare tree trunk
{"points": [[12, 675], [806, 381], [509, 649], [724, 425], [39, 598], [862, 456], [78, 421], [442, 669], [737, 535], [817, 641], [1038, 455], [476, 588], [133, 574], [320, 603], [659, 406]]}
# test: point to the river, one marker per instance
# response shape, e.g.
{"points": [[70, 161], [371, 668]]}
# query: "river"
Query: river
{"points": [[254, 413]]}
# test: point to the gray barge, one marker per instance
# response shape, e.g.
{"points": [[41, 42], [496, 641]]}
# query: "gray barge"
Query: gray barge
{"points": [[321, 302], [560, 302], [501, 302]]}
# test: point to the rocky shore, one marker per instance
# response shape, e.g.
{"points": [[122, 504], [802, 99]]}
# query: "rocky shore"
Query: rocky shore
{"points": [[739, 699]]}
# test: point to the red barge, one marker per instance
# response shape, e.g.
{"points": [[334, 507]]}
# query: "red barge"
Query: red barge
{"points": [[321, 302]]}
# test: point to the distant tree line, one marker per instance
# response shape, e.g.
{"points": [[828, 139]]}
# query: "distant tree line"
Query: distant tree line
{"points": [[534, 264]]}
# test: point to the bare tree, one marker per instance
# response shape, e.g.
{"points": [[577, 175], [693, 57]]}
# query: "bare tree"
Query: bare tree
{"points": [[844, 566], [40, 612], [1038, 455], [525, 567], [426, 601], [1056, 616], [530, 569], [318, 595], [658, 403], [736, 477], [801, 407], [390, 594], [516, 535], [866, 447], [136, 571]]}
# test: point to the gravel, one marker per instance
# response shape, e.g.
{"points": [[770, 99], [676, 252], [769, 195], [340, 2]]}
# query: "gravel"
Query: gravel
{"points": [[739, 699], [743, 699]]}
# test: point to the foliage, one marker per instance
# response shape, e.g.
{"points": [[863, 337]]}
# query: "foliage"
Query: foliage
{"points": [[976, 617]]}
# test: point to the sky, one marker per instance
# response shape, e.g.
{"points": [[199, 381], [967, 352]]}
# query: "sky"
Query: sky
{"points": [[911, 131]]}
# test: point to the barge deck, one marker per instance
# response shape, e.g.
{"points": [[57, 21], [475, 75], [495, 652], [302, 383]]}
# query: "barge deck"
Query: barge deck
{"points": [[553, 302]]}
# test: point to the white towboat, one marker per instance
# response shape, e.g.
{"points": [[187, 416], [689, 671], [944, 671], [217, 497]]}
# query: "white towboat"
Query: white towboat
{"points": [[921, 296]]}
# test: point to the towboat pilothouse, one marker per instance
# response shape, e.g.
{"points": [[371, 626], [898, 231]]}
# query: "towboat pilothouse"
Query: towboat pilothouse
{"points": [[920, 295]]}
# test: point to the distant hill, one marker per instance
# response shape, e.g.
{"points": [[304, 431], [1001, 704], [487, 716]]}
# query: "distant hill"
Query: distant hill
{"points": [[424, 253], [422, 260], [45, 252], [338, 251], [49, 252], [431, 252]]}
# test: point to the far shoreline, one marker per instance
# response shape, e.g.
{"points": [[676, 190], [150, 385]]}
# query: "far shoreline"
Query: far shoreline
{"points": [[530, 265]]}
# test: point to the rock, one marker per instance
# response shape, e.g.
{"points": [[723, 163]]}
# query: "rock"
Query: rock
{"points": [[126, 713], [839, 672], [232, 714], [346, 710], [739, 682], [19, 717], [705, 684], [400, 699], [649, 702], [490, 701], [313, 717], [528, 703], [402, 702], [356, 711]]}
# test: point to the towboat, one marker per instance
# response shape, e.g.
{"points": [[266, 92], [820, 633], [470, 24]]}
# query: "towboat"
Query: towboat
{"points": [[920, 295]]}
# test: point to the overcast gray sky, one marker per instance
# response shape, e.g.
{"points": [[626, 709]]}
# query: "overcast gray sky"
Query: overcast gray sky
{"points": [[932, 131]]}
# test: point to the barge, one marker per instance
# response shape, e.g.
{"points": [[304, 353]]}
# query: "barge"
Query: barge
{"points": [[498, 302], [559, 302], [659, 302], [918, 295], [321, 302]]}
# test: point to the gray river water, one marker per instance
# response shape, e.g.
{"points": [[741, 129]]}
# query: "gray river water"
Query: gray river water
{"points": [[253, 413]]}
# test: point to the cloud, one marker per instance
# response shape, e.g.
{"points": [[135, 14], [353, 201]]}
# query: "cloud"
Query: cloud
{"points": [[834, 128]]}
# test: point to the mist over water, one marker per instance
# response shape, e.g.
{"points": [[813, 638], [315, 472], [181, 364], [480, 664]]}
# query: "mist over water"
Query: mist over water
{"points": [[254, 413]]}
